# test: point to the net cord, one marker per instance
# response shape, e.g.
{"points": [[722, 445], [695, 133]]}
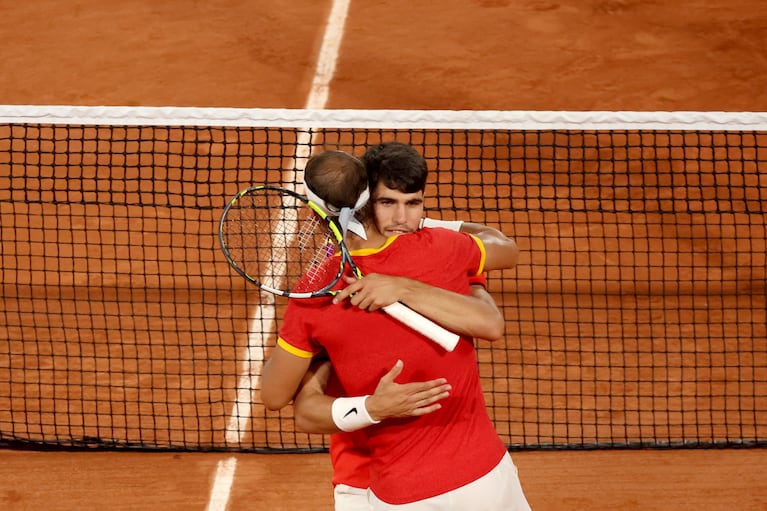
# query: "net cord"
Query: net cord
{"points": [[398, 119]]}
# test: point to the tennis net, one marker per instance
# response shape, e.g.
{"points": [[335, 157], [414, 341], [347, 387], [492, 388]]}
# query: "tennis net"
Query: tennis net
{"points": [[635, 317]]}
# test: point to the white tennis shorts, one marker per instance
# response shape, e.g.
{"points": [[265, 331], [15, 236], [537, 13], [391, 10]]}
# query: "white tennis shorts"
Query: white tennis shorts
{"points": [[498, 490], [349, 498]]}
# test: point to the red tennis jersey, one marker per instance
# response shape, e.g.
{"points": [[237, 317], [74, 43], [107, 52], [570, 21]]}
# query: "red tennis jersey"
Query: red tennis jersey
{"points": [[349, 452], [415, 458]]}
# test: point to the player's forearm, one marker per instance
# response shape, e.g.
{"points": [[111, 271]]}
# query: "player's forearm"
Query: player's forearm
{"points": [[327, 415], [313, 413], [317, 412], [311, 406], [465, 315]]}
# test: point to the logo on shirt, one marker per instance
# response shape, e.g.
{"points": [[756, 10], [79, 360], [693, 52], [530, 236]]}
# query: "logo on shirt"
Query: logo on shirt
{"points": [[352, 411]]}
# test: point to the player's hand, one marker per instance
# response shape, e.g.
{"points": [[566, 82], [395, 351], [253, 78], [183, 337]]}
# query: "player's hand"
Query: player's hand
{"points": [[392, 399], [372, 292]]}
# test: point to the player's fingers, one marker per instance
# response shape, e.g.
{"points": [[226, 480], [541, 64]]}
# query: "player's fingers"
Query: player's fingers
{"points": [[430, 401], [361, 300], [365, 300], [418, 387], [427, 395], [393, 372], [346, 292], [434, 394], [426, 409]]}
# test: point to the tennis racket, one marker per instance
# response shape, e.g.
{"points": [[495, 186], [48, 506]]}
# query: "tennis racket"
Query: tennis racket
{"points": [[285, 244]]}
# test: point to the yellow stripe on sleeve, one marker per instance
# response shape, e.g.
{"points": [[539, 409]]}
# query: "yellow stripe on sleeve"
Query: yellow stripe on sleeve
{"points": [[483, 252], [282, 343]]}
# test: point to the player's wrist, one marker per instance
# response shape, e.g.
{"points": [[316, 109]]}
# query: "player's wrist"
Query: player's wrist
{"points": [[452, 225], [410, 290], [351, 413]]}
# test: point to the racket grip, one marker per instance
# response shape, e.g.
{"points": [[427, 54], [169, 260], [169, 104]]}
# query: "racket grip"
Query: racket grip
{"points": [[423, 325]]}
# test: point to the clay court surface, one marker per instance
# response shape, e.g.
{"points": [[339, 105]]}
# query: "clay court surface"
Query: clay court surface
{"points": [[454, 54]]}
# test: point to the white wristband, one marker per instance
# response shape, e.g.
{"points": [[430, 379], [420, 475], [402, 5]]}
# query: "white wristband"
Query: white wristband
{"points": [[350, 414], [453, 225]]}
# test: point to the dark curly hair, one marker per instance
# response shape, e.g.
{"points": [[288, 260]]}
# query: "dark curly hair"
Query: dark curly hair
{"points": [[399, 166]]}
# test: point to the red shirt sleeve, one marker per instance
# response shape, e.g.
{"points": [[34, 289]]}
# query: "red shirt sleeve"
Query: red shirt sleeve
{"points": [[478, 280], [295, 333]]}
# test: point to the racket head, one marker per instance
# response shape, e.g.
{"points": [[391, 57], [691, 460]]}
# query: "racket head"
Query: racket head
{"points": [[282, 242]]}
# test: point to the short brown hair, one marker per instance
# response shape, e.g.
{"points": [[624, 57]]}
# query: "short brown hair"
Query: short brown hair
{"points": [[337, 177]]}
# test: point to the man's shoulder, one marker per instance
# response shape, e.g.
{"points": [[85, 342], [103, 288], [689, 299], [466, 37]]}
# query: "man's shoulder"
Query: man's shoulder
{"points": [[430, 240], [440, 235]]}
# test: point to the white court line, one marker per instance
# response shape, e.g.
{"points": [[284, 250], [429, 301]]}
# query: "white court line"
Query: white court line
{"points": [[263, 319], [222, 484]]}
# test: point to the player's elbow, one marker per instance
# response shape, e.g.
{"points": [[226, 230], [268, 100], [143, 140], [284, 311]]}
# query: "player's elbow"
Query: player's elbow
{"points": [[509, 255], [501, 255], [274, 400], [492, 328], [495, 329]]}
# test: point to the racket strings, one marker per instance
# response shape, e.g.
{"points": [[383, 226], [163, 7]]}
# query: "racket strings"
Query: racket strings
{"points": [[317, 249], [300, 246], [280, 243], [248, 231], [276, 271], [313, 272], [307, 231]]}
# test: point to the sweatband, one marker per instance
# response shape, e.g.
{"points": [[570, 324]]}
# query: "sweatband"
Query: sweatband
{"points": [[350, 414], [357, 228], [452, 225], [332, 210]]}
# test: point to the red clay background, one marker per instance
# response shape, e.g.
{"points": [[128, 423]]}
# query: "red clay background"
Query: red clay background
{"points": [[480, 54]]}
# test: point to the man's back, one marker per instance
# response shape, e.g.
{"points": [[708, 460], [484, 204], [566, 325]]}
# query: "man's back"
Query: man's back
{"points": [[419, 457]]}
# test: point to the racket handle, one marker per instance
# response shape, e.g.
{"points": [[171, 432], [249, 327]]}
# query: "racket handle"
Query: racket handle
{"points": [[423, 325]]}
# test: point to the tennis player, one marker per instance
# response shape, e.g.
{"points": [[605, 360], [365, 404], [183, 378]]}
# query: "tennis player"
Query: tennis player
{"points": [[397, 176], [451, 458]]}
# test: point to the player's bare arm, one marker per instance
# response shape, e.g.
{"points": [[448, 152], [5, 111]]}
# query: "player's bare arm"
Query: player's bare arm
{"points": [[476, 315], [313, 409], [501, 251], [281, 376]]}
